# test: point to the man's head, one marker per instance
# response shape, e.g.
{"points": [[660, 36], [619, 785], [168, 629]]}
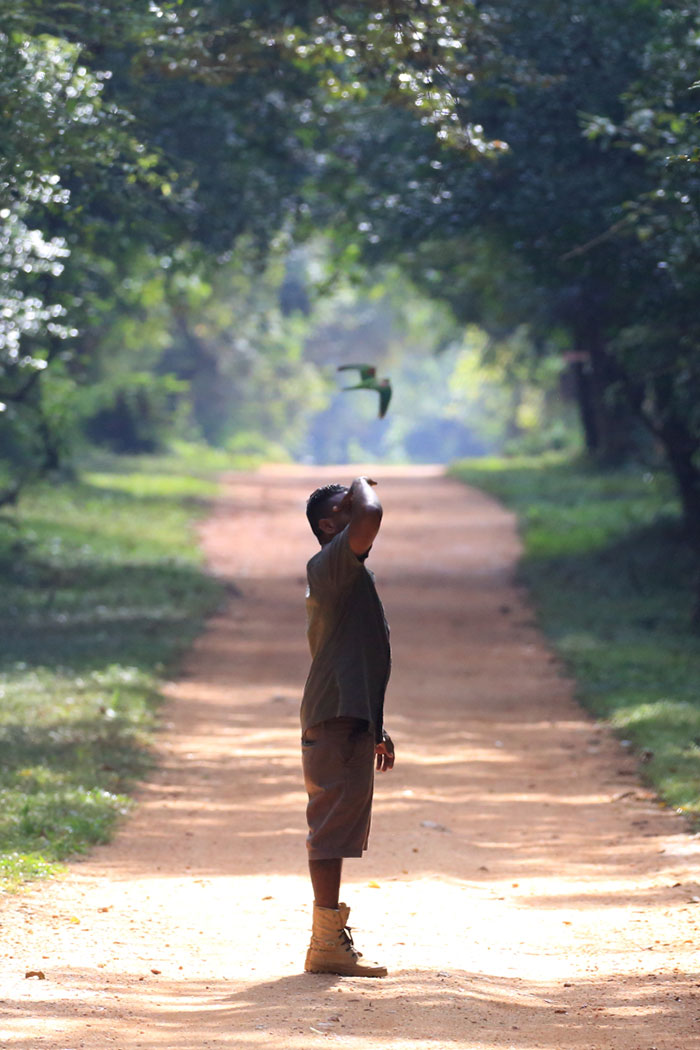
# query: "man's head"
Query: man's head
{"points": [[325, 520]]}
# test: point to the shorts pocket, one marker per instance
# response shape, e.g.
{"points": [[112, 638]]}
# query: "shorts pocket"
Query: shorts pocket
{"points": [[356, 746]]}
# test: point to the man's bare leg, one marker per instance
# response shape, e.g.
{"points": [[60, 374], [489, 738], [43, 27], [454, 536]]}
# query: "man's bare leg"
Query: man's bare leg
{"points": [[325, 879]]}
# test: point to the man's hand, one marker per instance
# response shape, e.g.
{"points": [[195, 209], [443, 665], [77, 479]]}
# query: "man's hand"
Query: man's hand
{"points": [[385, 754], [346, 502]]}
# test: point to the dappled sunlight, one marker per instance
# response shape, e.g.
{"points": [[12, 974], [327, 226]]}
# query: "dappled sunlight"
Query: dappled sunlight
{"points": [[404, 1012], [522, 887], [416, 759]]}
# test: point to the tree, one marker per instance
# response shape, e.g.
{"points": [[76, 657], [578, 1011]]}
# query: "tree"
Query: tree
{"points": [[510, 157], [658, 345], [118, 145], [50, 103]]}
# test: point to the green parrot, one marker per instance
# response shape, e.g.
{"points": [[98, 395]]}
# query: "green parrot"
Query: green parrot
{"points": [[369, 381]]}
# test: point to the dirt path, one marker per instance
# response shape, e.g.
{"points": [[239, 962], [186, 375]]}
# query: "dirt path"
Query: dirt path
{"points": [[520, 885]]}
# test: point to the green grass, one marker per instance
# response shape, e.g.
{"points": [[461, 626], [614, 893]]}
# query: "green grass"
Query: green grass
{"points": [[102, 588], [195, 459], [612, 582]]}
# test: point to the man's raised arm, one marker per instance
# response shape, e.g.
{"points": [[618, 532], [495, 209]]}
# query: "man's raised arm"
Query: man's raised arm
{"points": [[365, 515]]}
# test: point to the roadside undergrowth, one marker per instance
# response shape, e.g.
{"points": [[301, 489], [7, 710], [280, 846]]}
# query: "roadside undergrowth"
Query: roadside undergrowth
{"points": [[103, 588], [613, 585]]}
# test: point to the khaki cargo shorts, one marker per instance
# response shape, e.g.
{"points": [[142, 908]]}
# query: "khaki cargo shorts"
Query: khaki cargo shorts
{"points": [[338, 763]]}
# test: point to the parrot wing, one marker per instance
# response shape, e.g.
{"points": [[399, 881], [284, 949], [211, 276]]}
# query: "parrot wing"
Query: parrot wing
{"points": [[384, 397], [366, 371], [383, 388]]}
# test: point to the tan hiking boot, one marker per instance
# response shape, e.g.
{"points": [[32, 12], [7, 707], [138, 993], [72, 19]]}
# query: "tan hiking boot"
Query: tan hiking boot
{"points": [[332, 949]]}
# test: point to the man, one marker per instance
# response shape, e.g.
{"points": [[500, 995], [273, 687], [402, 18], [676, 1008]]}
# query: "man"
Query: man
{"points": [[342, 710]]}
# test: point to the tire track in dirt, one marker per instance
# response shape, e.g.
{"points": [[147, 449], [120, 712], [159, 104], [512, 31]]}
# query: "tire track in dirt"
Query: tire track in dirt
{"points": [[523, 888]]}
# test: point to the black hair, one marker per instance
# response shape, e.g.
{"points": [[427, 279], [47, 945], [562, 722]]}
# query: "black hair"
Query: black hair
{"points": [[317, 505]]}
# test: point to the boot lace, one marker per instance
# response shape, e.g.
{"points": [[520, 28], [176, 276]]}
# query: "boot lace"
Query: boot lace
{"points": [[348, 943]]}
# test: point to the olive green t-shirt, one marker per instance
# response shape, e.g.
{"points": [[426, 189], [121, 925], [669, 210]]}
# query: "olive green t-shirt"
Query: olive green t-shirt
{"points": [[348, 637]]}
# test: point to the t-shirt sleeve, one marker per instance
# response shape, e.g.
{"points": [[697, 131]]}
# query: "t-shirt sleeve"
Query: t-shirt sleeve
{"points": [[336, 566]]}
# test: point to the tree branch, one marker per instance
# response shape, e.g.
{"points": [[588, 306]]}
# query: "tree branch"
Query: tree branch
{"points": [[605, 236]]}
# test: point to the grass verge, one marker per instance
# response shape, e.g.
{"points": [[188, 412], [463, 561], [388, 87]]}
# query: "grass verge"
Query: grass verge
{"points": [[612, 582], [102, 589]]}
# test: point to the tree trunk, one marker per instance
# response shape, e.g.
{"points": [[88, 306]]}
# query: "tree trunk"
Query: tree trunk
{"points": [[9, 496], [52, 459], [682, 448], [607, 419], [612, 424], [682, 460], [191, 359], [513, 430], [583, 393]]}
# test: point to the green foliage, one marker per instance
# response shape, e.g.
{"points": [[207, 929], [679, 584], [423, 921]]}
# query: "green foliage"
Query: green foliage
{"points": [[658, 347], [613, 589], [102, 589], [118, 145], [456, 392], [135, 414], [534, 167], [63, 149], [583, 229]]}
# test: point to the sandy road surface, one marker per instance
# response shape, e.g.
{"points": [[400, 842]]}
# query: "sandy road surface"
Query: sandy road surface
{"points": [[521, 886]]}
